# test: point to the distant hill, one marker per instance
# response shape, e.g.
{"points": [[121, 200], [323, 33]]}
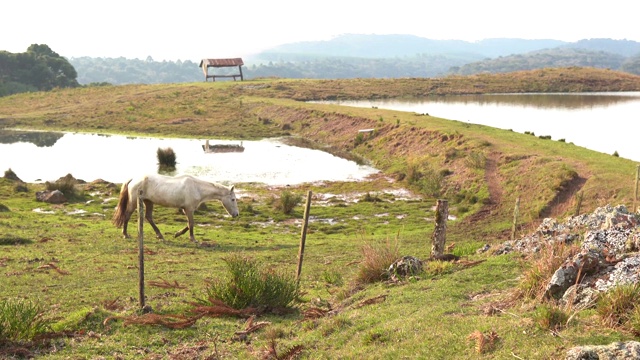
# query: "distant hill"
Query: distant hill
{"points": [[390, 46], [558, 57], [380, 56]]}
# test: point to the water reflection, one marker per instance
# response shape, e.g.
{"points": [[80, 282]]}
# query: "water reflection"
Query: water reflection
{"points": [[544, 101], [604, 122], [118, 158], [38, 138]]}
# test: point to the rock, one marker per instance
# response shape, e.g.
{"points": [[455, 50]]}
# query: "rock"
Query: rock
{"points": [[586, 262], [405, 266], [51, 197], [618, 350]]}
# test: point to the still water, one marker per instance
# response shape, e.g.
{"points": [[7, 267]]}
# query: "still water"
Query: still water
{"points": [[47, 156], [604, 122]]}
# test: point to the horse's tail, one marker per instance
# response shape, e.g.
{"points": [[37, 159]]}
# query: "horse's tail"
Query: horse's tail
{"points": [[120, 215]]}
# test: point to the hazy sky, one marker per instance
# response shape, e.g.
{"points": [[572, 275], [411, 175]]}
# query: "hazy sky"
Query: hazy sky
{"points": [[194, 29]]}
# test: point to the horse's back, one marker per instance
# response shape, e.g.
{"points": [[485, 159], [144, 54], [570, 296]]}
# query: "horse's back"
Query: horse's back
{"points": [[161, 189]]}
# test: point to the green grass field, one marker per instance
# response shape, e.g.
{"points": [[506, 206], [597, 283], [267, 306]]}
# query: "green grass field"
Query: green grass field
{"points": [[74, 263]]}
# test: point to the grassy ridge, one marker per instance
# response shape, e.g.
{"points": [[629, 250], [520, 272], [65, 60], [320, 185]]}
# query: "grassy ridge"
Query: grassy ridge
{"points": [[77, 265]]}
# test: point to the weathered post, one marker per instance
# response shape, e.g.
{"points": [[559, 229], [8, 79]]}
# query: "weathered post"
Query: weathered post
{"points": [[440, 231], [141, 249], [516, 212], [635, 196], [303, 235], [579, 197]]}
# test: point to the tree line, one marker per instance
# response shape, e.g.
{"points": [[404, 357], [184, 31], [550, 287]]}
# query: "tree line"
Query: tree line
{"points": [[41, 69]]}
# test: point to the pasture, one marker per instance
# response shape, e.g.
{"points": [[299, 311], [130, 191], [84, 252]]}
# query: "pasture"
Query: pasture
{"points": [[74, 263]]}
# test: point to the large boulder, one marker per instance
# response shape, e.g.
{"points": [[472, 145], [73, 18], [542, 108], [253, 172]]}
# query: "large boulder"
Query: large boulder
{"points": [[51, 197], [629, 350]]}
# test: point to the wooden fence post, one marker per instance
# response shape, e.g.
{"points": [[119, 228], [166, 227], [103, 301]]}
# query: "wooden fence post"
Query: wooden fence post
{"points": [[440, 231], [635, 196], [516, 212], [303, 235], [141, 250]]}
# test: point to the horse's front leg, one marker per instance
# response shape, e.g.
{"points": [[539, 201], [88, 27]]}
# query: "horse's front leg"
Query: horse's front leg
{"points": [[149, 216], [190, 222]]}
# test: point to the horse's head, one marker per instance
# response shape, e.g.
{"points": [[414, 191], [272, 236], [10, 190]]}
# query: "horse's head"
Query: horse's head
{"points": [[230, 203]]}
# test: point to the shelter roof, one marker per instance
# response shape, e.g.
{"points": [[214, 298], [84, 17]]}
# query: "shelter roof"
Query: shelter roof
{"points": [[221, 62]]}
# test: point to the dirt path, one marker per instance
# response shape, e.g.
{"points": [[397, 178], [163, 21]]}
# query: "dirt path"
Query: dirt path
{"points": [[492, 179]]}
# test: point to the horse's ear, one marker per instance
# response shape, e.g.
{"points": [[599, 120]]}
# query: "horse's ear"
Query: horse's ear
{"points": [[232, 186]]}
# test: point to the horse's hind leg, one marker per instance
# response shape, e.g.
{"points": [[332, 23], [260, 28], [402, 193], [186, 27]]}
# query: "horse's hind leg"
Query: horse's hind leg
{"points": [[126, 222], [149, 216]]}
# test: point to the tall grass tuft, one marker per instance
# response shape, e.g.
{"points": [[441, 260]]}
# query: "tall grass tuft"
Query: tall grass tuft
{"points": [[618, 305], [377, 257], [542, 267], [21, 320], [166, 159], [250, 286]]}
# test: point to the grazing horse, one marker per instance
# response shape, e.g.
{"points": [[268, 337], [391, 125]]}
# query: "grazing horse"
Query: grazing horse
{"points": [[184, 192]]}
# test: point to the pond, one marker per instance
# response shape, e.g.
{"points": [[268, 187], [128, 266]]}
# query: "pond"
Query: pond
{"points": [[47, 156], [604, 122]]}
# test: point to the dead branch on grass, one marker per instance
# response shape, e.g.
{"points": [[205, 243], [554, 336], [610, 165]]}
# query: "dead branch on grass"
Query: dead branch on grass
{"points": [[218, 308], [168, 320], [165, 284], [53, 266], [314, 313], [374, 300], [483, 342], [272, 353]]}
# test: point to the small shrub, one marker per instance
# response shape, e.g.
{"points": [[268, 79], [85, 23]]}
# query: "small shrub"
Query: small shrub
{"points": [[358, 140], [476, 160], [550, 317], [617, 305], [370, 198], [376, 261], [166, 159], [332, 278], [249, 285], [287, 202], [562, 140], [545, 137], [9, 174], [66, 184], [21, 320], [615, 153]]}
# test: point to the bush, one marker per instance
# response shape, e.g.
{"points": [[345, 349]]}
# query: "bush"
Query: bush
{"points": [[287, 202], [21, 320], [249, 286], [166, 159]]}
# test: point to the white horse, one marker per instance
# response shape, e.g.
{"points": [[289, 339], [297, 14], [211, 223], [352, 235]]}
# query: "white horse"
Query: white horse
{"points": [[184, 192]]}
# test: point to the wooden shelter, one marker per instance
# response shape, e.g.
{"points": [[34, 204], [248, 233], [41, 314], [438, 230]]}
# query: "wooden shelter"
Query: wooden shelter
{"points": [[205, 64]]}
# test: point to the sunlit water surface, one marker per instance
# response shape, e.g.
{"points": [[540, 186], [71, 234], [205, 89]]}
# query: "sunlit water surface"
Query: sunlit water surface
{"points": [[118, 158], [604, 122]]}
